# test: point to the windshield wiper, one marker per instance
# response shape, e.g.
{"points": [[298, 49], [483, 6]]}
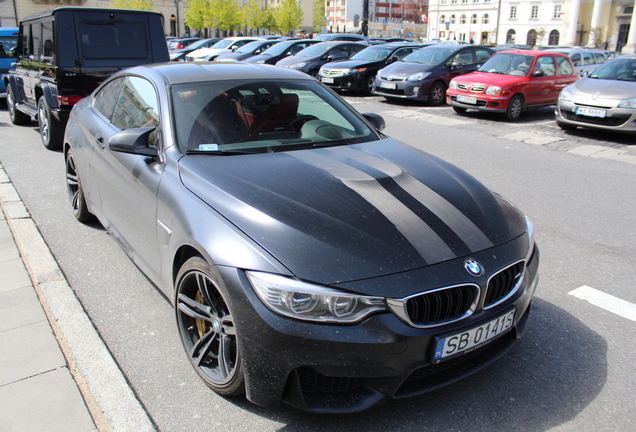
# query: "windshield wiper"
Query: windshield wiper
{"points": [[220, 152]]}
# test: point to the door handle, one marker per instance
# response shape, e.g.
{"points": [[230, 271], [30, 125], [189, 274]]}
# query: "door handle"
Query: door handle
{"points": [[100, 141]]}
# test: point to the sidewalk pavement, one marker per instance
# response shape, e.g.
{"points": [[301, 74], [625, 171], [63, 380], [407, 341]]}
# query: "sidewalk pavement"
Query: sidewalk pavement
{"points": [[56, 374]]}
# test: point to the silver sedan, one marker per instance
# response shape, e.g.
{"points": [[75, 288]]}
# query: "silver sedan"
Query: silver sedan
{"points": [[606, 99]]}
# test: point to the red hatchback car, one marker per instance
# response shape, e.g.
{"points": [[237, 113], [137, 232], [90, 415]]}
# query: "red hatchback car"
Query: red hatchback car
{"points": [[511, 81]]}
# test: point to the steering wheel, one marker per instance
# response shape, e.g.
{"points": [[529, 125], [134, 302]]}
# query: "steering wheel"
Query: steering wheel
{"points": [[299, 119]]}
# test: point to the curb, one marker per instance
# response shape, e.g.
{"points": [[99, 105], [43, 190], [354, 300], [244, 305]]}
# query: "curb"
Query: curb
{"points": [[107, 394]]}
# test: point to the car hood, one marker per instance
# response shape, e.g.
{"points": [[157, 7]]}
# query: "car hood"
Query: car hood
{"points": [[487, 78], [292, 60], [404, 70], [350, 64], [607, 89], [353, 212]]}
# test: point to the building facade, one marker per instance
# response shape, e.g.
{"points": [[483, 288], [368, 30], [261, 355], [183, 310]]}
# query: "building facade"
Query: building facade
{"points": [[12, 11], [608, 24]]}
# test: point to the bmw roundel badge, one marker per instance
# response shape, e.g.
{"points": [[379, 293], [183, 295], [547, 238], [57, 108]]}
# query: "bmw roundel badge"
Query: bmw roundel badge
{"points": [[474, 268]]}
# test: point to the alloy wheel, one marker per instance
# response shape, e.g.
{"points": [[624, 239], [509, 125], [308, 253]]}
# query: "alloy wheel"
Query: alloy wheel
{"points": [[207, 329]]}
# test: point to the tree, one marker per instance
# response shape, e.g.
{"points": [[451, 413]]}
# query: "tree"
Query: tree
{"points": [[288, 16], [226, 15], [148, 5], [319, 16], [254, 17], [196, 14], [597, 36]]}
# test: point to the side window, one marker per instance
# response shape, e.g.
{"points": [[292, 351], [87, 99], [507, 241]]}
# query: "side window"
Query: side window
{"points": [[25, 42], [464, 57], [482, 55], [36, 37], [576, 59], [564, 66], [401, 53], [47, 45], [545, 64], [588, 59], [106, 98], [599, 58], [137, 105], [354, 49], [339, 52]]}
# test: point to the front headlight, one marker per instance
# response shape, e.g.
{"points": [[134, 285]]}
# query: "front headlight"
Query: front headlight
{"points": [[298, 65], [628, 103], [565, 95], [418, 76], [452, 85], [304, 301], [531, 240], [493, 90]]}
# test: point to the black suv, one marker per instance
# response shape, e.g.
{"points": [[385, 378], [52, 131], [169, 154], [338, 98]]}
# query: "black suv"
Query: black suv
{"points": [[63, 54]]}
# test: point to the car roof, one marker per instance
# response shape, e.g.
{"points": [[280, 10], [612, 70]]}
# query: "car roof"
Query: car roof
{"points": [[535, 53], [184, 72]]}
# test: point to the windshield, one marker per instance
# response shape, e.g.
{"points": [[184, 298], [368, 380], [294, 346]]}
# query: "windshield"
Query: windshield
{"points": [[278, 48], [249, 47], [618, 69], [223, 43], [429, 55], [238, 117], [315, 50], [7, 43], [374, 53], [508, 64]]}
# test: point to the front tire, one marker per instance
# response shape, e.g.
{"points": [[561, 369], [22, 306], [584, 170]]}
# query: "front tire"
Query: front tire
{"points": [[437, 94], [369, 86], [515, 108], [207, 330], [75, 190], [17, 117], [51, 130]]}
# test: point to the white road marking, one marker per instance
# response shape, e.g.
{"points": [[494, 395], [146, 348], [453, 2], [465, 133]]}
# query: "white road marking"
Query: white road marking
{"points": [[606, 301]]}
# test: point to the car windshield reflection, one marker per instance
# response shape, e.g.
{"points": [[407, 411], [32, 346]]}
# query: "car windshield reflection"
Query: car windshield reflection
{"points": [[619, 69], [232, 118], [508, 64]]}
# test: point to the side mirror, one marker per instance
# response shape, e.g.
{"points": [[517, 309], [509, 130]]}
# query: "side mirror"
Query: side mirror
{"points": [[376, 120], [133, 141], [583, 73], [537, 74]]}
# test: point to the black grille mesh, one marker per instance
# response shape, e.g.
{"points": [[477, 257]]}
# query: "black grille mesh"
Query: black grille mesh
{"points": [[502, 284], [315, 382], [441, 306]]}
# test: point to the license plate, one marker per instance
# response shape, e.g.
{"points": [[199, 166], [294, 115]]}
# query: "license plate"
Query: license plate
{"points": [[327, 80], [387, 85], [590, 112], [469, 339], [467, 99]]}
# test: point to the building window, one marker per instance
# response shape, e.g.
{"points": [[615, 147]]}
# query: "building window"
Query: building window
{"points": [[454, 1], [513, 12], [531, 39], [442, 19], [557, 11], [511, 36], [452, 19], [485, 19], [473, 19], [462, 20], [553, 39], [535, 12], [464, 1]]}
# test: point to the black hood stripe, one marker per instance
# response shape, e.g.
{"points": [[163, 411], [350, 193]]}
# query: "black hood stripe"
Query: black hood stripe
{"points": [[457, 221], [427, 242]]}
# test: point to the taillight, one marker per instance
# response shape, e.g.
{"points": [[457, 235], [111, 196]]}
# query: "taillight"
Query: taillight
{"points": [[179, 46], [68, 100]]}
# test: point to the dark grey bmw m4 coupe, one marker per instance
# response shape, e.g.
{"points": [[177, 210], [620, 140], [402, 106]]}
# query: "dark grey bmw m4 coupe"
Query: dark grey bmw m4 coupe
{"points": [[310, 258]]}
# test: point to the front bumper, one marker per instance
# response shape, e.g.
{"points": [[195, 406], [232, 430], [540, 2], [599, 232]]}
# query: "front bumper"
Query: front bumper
{"points": [[484, 102], [414, 90], [615, 119], [352, 82], [349, 368]]}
